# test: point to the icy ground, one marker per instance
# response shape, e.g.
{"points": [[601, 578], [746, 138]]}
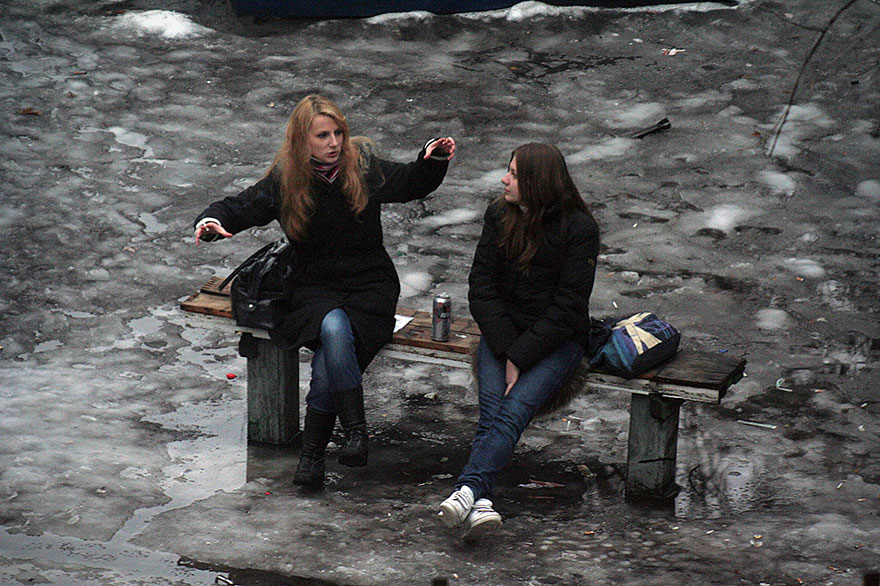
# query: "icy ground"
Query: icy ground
{"points": [[751, 225]]}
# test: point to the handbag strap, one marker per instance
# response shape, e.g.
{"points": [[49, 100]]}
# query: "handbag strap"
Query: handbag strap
{"points": [[272, 258], [237, 270]]}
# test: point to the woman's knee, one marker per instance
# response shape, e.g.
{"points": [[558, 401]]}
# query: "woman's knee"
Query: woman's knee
{"points": [[336, 328]]}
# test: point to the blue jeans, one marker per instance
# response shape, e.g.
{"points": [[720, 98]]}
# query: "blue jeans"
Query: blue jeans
{"points": [[335, 365], [504, 418]]}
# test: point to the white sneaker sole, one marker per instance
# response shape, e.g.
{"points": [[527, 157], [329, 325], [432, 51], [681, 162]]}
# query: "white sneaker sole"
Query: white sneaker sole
{"points": [[481, 528]]}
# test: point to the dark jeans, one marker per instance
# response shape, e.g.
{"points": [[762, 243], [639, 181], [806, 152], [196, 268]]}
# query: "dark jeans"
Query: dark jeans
{"points": [[335, 365], [504, 418]]}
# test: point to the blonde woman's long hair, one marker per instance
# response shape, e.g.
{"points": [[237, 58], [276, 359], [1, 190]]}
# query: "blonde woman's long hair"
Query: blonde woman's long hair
{"points": [[293, 165]]}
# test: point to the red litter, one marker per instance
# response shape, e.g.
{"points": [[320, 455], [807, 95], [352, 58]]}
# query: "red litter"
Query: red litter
{"points": [[230, 375]]}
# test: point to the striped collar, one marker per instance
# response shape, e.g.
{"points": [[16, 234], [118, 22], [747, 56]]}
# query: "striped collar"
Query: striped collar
{"points": [[326, 171]]}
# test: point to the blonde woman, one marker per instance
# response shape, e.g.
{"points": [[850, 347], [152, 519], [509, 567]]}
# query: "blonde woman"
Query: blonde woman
{"points": [[326, 188]]}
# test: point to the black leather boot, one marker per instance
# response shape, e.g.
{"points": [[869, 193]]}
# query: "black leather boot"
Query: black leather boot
{"points": [[317, 429], [350, 408]]}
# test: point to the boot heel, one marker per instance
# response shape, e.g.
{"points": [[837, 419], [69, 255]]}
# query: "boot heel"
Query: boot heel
{"points": [[350, 407], [355, 450]]}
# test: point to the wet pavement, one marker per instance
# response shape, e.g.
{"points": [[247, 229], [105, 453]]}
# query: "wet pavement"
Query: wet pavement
{"points": [[751, 224]]}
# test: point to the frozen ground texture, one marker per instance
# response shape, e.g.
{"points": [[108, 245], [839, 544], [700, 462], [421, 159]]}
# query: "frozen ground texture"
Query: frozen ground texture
{"points": [[122, 451]]}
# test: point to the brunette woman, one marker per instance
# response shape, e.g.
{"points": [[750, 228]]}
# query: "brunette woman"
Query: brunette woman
{"points": [[530, 286], [325, 188]]}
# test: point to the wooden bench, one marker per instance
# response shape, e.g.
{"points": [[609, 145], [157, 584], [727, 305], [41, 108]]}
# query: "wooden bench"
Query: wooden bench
{"points": [[273, 384]]}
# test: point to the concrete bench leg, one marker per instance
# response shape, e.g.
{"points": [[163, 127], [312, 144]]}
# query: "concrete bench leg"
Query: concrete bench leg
{"points": [[272, 390], [653, 439]]}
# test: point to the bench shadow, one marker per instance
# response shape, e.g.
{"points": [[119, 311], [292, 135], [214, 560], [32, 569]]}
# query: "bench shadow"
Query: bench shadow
{"points": [[422, 459]]}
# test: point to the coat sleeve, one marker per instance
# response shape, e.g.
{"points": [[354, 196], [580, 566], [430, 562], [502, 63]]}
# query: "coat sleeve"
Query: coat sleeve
{"points": [[255, 206], [568, 315], [402, 182], [485, 297]]}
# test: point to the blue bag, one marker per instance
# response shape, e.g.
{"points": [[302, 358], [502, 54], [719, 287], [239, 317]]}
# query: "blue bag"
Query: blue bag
{"points": [[635, 345]]}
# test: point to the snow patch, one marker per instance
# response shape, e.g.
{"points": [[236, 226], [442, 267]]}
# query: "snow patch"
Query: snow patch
{"points": [[414, 282], [804, 267], [415, 15], [772, 319], [726, 217], [165, 23], [531, 10], [778, 183], [869, 189], [613, 147], [801, 122], [456, 216], [637, 115]]}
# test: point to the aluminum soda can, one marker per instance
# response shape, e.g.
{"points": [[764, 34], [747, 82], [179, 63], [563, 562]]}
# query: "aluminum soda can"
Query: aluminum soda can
{"points": [[442, 315]]}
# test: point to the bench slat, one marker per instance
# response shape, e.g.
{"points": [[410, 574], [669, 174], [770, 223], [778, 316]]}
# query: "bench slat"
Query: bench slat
{"points": [[208, 304], [696, 368], [213, 287], [640, 386]]}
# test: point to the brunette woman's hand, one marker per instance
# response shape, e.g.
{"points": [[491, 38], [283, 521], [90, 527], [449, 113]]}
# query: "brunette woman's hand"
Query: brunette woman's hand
{"points": [[211, 228], [511, 375], [444, 147]]}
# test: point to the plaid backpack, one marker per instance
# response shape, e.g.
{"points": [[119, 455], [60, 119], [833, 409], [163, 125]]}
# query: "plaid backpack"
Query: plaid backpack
{"points": [[635, 345]]}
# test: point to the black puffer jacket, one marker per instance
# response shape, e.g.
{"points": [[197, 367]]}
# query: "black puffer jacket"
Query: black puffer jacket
{"points": [[526, 316], [342, 261]]}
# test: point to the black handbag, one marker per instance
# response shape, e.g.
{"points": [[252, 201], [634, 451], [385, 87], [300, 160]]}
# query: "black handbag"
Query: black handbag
{"points": [[258, 291]]}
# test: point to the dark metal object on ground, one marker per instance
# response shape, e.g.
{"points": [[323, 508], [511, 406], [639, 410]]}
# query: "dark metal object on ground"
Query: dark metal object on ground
{"points": [[662, 125]]}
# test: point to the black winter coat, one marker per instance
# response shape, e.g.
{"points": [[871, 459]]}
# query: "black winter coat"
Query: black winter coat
{"points": [[341, 261], [524, 317]]}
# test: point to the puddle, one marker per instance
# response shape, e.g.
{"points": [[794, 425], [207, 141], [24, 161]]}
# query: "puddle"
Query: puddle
{"points": [[152, 226], [117, 563], [92, 562], [720, 489], [859, 352], [212, 461], [144, 326], [251, 577]]}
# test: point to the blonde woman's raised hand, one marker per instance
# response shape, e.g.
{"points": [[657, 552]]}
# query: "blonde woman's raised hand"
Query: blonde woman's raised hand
{"points": [[443, 148]]}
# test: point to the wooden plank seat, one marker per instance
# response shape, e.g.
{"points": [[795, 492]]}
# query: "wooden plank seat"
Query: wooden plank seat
{"points": [[273, 384]]}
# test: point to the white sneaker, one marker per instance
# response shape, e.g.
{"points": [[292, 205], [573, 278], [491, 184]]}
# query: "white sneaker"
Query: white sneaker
{"points": [[481, 520], [454, 509]]}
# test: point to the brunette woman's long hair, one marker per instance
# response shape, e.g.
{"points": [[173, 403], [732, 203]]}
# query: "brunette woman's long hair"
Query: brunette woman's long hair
{"points": [[293, 165], [545, 186]]}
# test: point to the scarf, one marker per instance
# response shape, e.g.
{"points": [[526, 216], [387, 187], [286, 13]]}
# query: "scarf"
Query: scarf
{"points": [[326, 171]]}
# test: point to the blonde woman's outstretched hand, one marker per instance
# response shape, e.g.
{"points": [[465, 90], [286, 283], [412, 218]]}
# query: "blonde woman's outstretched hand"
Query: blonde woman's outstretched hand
{"points": [[211, 228]]}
